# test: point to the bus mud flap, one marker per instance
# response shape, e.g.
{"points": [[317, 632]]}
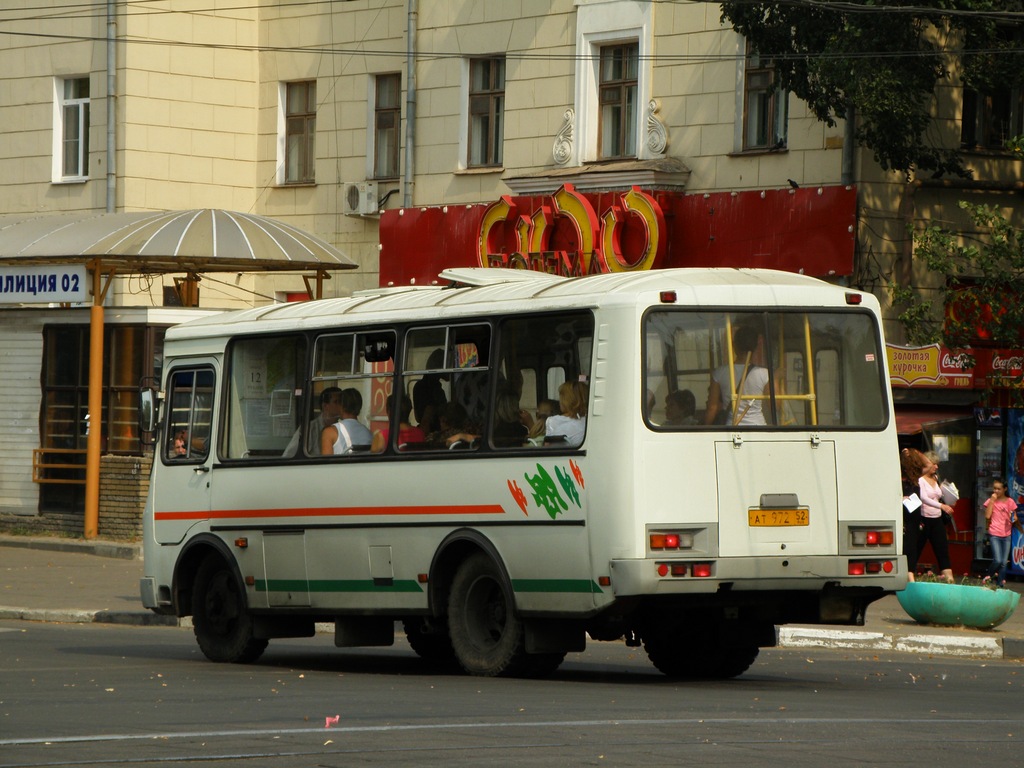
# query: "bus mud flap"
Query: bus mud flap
{"points": [[552, 636]]}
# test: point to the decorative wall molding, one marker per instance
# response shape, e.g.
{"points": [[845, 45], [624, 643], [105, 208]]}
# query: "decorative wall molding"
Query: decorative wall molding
{"points": [[562, 149], [657, 133]]}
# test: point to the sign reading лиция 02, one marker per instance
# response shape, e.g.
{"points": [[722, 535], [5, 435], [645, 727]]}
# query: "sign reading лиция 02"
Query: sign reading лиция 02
{"points": [[59, 283]]}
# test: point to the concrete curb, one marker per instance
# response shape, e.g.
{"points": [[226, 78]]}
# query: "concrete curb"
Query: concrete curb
{"points": [[114, 549], [938, 645], [73, 616]]}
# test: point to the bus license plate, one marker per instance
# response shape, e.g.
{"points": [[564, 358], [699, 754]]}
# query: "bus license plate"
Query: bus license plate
{"points": [[769, 518]]}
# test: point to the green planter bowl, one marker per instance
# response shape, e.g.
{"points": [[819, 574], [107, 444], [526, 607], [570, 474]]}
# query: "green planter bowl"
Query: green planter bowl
{"points": [[956, 604]]}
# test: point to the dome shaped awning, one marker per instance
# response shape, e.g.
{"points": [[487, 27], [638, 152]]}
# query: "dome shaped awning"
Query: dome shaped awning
{"points": [[199, 240]]}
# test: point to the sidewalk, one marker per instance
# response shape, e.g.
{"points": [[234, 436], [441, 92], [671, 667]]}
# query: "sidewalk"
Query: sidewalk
{"points": [[71, 580]]}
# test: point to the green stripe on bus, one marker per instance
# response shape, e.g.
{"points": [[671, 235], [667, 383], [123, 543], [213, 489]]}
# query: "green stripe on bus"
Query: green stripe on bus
{"points": [[334, 585], [556, 585]]}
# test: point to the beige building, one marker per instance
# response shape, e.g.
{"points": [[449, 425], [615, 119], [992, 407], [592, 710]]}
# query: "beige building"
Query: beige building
{"points": [[324, 114]]}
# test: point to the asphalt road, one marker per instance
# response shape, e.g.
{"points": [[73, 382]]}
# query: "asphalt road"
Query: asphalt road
{"points": [[99, 695]]}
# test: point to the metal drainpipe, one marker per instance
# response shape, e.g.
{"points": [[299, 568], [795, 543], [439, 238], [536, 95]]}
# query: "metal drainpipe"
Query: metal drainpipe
{"points": [[111, 105], [410, 108]]}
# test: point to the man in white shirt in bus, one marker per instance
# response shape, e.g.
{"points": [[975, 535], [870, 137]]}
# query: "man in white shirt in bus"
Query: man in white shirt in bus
{"points": [[347, 433]]}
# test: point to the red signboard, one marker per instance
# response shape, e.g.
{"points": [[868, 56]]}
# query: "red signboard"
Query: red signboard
{"points": [[798, 230]]}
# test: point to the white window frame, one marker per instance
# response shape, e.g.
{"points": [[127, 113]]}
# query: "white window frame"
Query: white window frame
{"points": [[599, 24], [59, 103]]}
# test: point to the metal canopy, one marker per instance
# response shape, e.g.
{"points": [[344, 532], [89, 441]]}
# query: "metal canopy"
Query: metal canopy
{"points": [[190, 242], [199, 240]]}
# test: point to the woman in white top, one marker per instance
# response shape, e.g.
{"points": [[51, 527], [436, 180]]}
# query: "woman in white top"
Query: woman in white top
{"points": [[571, 424], [750, 379]]}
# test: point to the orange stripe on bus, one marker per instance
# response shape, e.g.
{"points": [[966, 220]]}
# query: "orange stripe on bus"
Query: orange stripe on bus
{"points": [[230, 514]]}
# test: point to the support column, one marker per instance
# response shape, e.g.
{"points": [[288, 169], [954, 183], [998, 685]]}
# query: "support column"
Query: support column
{"points": [[93, 443]]}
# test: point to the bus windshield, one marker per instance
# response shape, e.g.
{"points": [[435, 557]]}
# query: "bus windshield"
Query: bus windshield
{"points": [[789, 369]]}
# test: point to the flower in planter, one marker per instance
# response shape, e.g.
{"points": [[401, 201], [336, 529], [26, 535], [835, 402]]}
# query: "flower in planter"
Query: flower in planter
{"points": [[966, 580]]}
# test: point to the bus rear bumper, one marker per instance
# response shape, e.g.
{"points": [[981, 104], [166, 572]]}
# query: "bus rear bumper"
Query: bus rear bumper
{"points": [[757, 574]]}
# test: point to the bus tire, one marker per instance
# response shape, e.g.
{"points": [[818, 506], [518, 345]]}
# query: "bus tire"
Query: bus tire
{"points": [[683, 660], [486, 634], [434, 646], [222, 624]]}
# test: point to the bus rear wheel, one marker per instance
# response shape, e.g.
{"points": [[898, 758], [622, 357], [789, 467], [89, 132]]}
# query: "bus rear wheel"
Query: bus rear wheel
{"points": [[694, 659], [222, 625], [486, 635]]}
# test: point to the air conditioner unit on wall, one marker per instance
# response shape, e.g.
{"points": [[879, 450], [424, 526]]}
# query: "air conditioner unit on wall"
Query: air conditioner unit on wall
{"points": [[359, 198]]}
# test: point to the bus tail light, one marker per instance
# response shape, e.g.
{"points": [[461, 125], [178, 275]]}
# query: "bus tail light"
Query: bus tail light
{"points": [[869, 567], [671, 540], [677, 570], [871, 537]]}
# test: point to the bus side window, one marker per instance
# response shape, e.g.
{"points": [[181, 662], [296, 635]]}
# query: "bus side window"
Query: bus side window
{"points": [[189, 414], [537, 355]]}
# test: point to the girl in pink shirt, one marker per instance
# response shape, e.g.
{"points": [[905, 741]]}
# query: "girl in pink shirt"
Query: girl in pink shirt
{"points": [[1001, 515]]}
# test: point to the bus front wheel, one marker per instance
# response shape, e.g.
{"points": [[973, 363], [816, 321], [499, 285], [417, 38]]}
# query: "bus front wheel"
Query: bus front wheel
{"points": [[486, 635], [222, 625]]}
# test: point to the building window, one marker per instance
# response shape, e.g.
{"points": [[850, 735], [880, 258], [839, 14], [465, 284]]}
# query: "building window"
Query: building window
{"points": [[765, 105], [387, 122], [989, 119], [300, 132], [486, 111], [71, 129], [618, 99]]}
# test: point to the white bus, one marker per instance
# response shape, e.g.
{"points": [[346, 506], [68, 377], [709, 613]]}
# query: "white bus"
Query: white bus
{"points": [[690, 525]]}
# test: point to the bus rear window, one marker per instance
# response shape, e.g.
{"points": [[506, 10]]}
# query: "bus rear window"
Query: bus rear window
{"points": [[789, 369]]}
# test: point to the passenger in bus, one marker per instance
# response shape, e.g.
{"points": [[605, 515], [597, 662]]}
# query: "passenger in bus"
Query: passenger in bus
{"points": [[509, 429], [568, 427], [428, 396], [455, 428], [330, 409], [751, 379], [347, 433], [545, 408], [180, 447], [406, 432], [680, 408]]}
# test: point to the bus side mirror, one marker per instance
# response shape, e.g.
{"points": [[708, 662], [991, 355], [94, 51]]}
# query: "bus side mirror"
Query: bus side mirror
{"points": [[147, 409]]}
